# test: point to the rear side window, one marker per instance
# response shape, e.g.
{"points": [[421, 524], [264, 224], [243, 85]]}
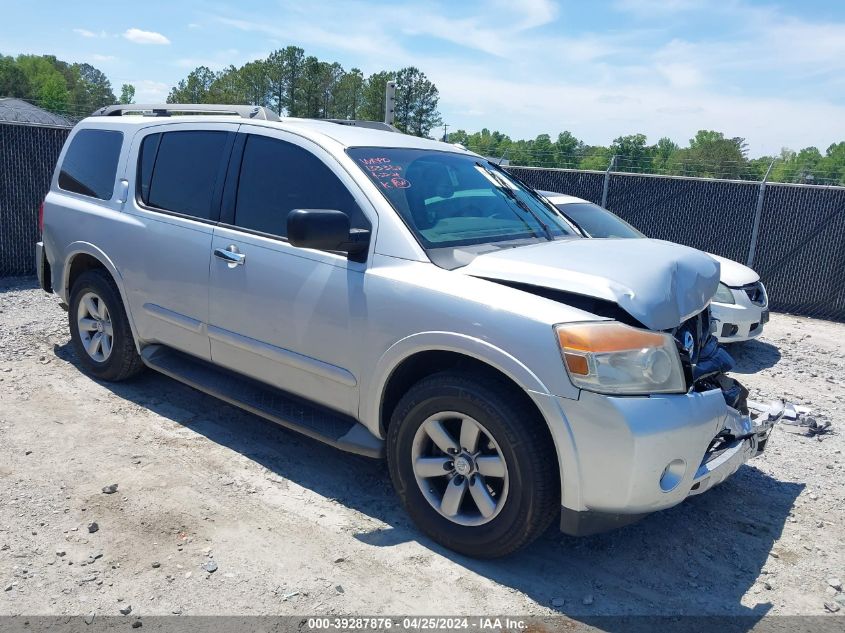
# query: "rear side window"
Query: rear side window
{"points": [[178, 171], [277, 177], [90, 164]]}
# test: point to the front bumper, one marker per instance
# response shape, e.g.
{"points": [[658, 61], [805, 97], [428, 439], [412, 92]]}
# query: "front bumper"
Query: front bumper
{"points": [[637, 455], [739, 321]]}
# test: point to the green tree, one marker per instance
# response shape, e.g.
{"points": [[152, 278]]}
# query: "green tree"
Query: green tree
{"points": [[312, 80], [711, 154], [194, 88], [416, 102], [53, 94], [568, 149], [253, 81], [373, 94], [631, 153], [662, 153], [349, 95], [284, 71], [13, 80], [89, 88], [127, 93], [48, 85]]}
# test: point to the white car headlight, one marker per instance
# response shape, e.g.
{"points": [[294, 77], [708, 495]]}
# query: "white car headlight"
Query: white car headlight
{"points": [[724, 295], [614, 358]]}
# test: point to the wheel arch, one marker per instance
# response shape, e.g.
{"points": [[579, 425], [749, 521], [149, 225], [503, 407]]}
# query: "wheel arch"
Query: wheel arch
{"points": [[82, 257], [415, 357]]}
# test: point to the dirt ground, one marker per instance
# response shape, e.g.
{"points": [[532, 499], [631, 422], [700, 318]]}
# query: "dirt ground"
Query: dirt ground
{"points": [[294, 527]]}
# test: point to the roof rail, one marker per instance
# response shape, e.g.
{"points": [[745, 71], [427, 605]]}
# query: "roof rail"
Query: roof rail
{"points": [[168, 109], [374, 125]]}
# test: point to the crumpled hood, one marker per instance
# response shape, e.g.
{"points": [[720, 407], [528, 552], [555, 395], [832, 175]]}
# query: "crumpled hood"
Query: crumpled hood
{"points": [[660, 284]]}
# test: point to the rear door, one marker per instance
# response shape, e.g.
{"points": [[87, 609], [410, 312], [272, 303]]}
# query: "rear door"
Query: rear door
{"points": [[282, 314], [179, 175]]}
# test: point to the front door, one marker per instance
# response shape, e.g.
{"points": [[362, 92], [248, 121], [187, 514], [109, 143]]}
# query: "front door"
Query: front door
{"points": [[282, 314]]}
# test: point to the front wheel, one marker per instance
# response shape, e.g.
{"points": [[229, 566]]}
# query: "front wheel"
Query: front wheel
{"points": [[473, 465]]}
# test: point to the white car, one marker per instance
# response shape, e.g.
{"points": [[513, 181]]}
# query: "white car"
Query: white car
{"points": [[740, 307]]}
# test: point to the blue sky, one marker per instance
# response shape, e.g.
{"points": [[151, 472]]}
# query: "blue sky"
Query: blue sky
{"points": [[771, 72]]}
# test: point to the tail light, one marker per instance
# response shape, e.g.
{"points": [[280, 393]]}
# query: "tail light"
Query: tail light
{"points": [[41, 218]]}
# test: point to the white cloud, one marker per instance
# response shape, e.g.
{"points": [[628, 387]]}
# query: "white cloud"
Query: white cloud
{"points": [[194, 25], [145, 37], [103, 58], [90, 34], [149, 91]]}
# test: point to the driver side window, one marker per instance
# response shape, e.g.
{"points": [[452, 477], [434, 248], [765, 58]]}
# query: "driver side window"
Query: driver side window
{"points": [[277, 177]]}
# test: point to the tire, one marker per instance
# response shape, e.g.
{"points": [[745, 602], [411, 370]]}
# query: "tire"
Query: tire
{"points": [[95, 298], [527, 497]]}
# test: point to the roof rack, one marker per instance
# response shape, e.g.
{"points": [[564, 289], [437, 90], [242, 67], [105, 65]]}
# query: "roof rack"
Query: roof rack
{"points": [[168, 109], [374, 125]]}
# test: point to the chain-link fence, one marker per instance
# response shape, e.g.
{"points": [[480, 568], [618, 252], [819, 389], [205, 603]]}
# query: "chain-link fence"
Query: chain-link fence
{"points": [[798, 246], [28, 155], [798, 249]]}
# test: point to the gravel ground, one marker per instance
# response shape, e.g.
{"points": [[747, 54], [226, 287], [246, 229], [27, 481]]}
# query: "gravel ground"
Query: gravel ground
{"points": [[219, 512]]}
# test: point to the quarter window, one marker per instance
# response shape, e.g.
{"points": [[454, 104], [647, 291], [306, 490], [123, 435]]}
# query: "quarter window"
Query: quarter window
{"points": [[277, 177], [178, 171], [90, 164]]}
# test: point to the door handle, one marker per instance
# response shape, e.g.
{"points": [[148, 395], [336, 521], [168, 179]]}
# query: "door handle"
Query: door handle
{"points": [[231, 255]]}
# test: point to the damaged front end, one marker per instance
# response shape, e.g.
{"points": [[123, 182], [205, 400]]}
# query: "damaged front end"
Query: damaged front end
{"points": [[706, 364]]}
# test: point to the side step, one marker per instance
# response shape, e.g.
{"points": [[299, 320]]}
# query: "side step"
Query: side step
{"points": [[333, 428]]}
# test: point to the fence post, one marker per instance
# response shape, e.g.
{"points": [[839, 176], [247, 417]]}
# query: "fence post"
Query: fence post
{"points": [[758, 214], [607, 181]]}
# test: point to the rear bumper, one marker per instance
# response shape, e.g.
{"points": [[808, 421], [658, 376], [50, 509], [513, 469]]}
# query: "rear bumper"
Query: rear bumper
{"points": [[42, 266], [637, 455]]}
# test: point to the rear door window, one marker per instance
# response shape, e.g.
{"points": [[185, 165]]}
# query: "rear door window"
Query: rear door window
{"points": [[277, 177], [179, 171], [90, 164]]}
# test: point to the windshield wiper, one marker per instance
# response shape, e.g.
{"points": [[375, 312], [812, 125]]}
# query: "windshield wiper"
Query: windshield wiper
{"points": [[505, 187]]}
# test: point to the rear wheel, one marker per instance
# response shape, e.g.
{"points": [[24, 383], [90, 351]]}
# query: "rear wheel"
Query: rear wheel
{"points": [[473, 467], [99, 328]]}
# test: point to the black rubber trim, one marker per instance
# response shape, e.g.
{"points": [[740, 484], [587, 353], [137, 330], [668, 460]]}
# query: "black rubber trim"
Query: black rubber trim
{"points": [[588, 522]]}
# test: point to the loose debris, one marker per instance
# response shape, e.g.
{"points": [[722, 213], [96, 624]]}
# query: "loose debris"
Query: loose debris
{"points": [[793, 418], [110, 489]]}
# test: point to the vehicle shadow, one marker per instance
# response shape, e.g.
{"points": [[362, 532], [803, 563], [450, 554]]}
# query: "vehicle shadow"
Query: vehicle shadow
{"points": [[752, 356], [699, 558]]}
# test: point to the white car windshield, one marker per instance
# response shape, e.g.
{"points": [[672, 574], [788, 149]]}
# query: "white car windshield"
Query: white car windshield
{"points": [[449, 199]]}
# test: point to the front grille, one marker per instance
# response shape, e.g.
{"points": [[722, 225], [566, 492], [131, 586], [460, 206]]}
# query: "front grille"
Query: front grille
{"points": [[756, 293]]}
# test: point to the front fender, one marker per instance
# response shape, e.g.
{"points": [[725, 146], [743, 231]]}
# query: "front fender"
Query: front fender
{"points": [[442, 342], [552, 413]]}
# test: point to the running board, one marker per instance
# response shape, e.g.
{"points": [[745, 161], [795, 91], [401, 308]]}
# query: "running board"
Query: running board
{"points": [[294, 413]]}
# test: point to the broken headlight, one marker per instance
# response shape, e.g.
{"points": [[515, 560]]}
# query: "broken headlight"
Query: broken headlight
{"points": [[613, 358]]}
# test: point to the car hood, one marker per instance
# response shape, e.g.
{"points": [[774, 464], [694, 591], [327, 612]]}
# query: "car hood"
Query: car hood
{"points": [[735, 274], [658, 283]]}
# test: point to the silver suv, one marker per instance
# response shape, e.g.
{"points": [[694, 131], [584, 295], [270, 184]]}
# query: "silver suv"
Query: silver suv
{"points": [[400, 297]]}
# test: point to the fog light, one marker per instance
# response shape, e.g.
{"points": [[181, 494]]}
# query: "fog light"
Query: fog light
{"points": [[672, 474]]}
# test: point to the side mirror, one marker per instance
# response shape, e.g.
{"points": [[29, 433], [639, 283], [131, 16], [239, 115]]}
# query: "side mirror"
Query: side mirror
{"points": [[326, 230]]}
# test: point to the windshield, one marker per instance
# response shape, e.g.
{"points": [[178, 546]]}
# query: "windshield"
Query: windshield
{"points": [[598, 222], [449, 199]]}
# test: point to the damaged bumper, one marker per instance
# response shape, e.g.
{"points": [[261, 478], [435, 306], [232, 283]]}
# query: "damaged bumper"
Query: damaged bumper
{"points": [[637, 455]]}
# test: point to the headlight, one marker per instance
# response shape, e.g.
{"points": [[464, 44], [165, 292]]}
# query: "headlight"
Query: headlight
{"points": [[724, 295], [613, 358]]}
